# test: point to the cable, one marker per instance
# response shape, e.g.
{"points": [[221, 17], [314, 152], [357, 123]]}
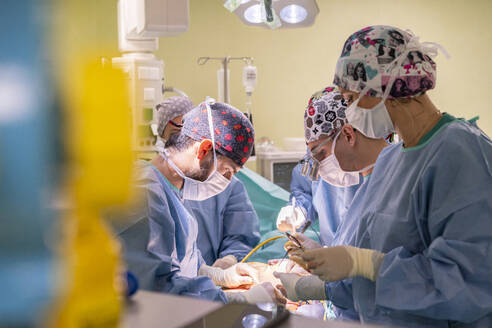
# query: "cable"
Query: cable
{"points": [[259, 246]]}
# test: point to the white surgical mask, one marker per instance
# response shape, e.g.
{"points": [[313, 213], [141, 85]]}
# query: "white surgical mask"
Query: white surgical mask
{"points": [[215, 183], [331, 172], [373, 123]]}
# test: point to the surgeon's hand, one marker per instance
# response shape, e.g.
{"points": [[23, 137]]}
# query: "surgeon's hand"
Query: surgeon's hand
{"points": [[306, 242], [225, 262], [300, 288], [235, 276], [263, 293], [342, 262], [287, 266], [290, 219]]}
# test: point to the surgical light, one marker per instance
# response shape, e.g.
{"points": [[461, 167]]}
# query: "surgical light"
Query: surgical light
{"points": [[286, 13], [293, 14], [253, 14]]}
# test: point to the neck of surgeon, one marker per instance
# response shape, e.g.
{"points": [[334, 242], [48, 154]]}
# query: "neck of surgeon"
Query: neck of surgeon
{"points": [[413, 118]]}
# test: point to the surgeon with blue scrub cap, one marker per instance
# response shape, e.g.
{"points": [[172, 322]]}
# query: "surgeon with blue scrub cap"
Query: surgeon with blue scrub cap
{"points": [[329, 137], [228, 227], [159, 234], [421, 256]]}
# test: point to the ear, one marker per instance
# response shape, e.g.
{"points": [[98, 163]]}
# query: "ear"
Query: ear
{"points": [[205, 147], [348, 134]]}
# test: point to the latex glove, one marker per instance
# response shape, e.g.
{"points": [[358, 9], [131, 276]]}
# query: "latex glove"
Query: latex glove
{"points": [[225, 262], [301, 288], [306, 242], [287, 266], [290, 219], [342, 262], [263, 293], [235, 276]]}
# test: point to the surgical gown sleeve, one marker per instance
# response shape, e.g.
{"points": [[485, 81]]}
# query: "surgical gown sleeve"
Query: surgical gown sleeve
{"points": [[301, 189], [451, 278], [241, 224], [340, 294], [160, 243]]}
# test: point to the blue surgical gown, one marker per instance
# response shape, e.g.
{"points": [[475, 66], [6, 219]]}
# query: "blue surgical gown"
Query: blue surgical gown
{"points": [[227, 223], [340, 292], [429, 208], [321, 201], [159, 240], [331, 206]]}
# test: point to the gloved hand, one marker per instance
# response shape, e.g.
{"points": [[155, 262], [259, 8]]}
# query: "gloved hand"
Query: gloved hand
{"points": [[342, 262], [290, 219], [225, 262], [306, 242], [287, 266], [263, 293], [235, 276], [301, 288]]}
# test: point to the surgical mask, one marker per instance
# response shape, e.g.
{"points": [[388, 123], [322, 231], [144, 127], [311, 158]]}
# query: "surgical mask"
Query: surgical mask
{"points": [[373, 123], [331, 172], [215, 183]]}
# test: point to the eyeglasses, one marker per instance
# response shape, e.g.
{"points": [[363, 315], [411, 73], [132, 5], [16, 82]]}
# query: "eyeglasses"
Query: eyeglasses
{"points": [[310, 165], [175, 124]]}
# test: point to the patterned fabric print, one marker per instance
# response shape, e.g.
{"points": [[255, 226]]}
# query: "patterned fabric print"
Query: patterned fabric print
{"points": [[325, 114], [369, 56], [170, 108], [234, 133]]}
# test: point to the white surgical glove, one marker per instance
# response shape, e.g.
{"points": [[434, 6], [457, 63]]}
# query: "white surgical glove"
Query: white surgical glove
{"points": [[225, 262], [301, 288], [342, 262], [263, 293], [235, 276], [290, 218]]}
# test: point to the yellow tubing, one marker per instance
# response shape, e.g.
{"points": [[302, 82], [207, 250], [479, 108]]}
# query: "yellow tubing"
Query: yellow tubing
{"points": [[260, 245]]}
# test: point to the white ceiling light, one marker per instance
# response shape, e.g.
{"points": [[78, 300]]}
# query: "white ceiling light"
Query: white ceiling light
{"points": [[253, 14], [293, 14]]}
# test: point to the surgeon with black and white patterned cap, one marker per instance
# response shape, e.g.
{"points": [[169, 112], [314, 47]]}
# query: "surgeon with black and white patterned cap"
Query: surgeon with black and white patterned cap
{"points": [[329, 200]]}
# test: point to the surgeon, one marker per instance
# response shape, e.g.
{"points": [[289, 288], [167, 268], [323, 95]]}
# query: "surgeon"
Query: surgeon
{"points": [[170, 115], [421, 256], [159, 238], [228, 227], [317, 200], [325, 138]]}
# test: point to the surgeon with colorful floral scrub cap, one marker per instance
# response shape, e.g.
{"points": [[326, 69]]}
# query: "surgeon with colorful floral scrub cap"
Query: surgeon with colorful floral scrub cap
{"points": [[422, 253]]}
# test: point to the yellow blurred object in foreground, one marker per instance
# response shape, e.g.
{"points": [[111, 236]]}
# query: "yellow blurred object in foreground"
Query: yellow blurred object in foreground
{"points": [[98, 142]]}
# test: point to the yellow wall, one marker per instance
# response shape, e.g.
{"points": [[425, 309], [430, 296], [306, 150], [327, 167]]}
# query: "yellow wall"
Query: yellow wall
{"points": [[292, 64]]}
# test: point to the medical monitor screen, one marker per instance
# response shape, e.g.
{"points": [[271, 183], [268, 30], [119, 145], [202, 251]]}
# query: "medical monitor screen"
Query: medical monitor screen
{"points": [[282, 174]]}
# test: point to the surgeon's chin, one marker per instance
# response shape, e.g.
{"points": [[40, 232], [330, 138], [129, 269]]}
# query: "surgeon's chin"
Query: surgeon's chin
{"points": [[201, 173]]}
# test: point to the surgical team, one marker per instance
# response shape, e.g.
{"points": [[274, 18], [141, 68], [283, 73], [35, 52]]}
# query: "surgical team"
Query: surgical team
{"points": [[405, 228]]}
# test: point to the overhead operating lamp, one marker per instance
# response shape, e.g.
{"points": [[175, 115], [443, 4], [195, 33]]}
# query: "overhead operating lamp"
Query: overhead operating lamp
{"points": [[275, 13]]}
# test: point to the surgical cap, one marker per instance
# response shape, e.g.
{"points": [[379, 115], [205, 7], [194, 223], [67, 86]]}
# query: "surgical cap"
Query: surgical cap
{"points": [[375, 55], [325, 114], [234, 133], [170, 108]]}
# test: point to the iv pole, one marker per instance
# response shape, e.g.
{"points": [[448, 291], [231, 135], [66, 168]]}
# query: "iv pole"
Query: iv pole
{"points": [[225, 62]]}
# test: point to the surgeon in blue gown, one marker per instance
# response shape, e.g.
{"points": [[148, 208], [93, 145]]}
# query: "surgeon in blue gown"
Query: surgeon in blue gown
{"points": [[321, 201], [333, 195], [159, 233], [421, 256], [228, 226]]}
